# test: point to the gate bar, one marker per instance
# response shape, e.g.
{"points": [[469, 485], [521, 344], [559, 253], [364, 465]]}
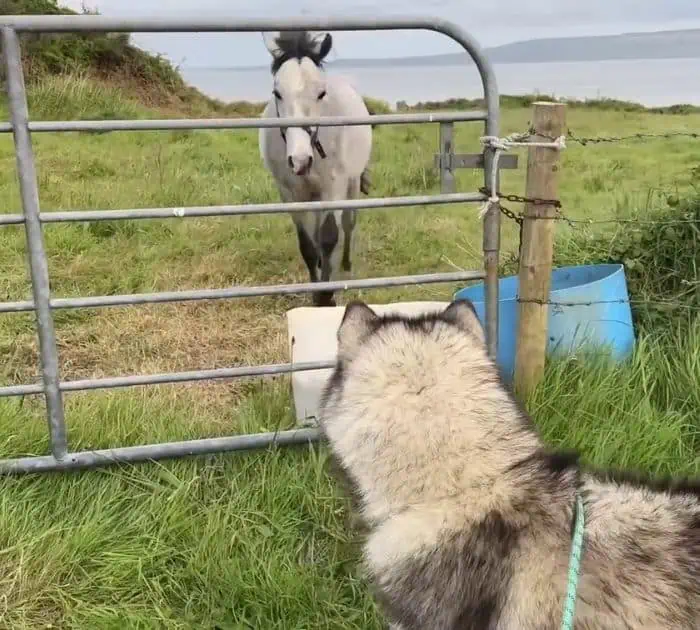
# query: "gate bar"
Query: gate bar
{"points": [[152, 452], [244, 292], [177, 124], [38, 264], [114, 382], [376, 203]]}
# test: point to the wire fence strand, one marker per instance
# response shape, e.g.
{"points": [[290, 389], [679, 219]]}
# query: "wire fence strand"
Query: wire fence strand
{"points": [[659, 303], [690, 304], [573, 137], [583, 141]]}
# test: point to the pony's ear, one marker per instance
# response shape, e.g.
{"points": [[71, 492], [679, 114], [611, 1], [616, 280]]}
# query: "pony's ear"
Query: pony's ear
{"points": [[357, 323], [462, 314], [271, 42], [322, 44]]}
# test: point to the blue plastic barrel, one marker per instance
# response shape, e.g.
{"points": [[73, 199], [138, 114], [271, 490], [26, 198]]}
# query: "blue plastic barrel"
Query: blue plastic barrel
{"points": [[600, 314]]}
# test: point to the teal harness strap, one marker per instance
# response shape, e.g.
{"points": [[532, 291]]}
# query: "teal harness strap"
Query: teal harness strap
{"points": [[567, 622]]}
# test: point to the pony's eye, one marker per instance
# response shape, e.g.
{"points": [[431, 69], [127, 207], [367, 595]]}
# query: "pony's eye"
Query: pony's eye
{"points": [[322, 95], [277, 95]]}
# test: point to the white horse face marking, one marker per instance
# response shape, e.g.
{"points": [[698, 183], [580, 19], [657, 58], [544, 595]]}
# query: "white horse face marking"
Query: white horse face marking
{"points": [[299, 90]]}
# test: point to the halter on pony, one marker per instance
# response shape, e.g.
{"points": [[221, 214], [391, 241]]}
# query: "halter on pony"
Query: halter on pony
{"points": [[313, 134]]}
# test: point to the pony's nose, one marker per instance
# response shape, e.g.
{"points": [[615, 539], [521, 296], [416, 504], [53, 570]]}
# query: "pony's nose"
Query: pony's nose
{"points": [[301, 165]]}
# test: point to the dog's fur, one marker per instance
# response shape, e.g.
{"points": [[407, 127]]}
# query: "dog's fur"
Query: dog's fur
{"points": [[469, 518]]}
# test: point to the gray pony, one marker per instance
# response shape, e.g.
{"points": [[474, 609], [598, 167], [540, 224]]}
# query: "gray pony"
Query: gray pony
{"points": [[315, 163]]}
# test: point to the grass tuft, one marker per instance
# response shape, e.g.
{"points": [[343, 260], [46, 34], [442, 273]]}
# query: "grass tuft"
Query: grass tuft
{"points": [[642, 415]]}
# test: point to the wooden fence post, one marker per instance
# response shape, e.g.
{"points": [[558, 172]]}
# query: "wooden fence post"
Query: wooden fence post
{"points": [[536, 247]]}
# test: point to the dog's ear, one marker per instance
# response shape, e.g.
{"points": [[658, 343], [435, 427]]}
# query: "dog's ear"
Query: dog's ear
{"points": [[357, 323], [462, 314]]}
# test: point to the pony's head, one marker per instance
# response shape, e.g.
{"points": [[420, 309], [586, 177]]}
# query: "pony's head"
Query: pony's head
{"points": [[299, 89]]}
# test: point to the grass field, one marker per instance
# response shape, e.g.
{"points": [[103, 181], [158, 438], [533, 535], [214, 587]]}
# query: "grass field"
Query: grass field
{"points": [[259, 540]]}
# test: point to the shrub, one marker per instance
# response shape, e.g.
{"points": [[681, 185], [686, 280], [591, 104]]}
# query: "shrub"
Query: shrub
{"points": [[661, 255]]}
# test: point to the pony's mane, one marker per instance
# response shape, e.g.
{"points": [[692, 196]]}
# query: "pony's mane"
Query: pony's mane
{"points": [[295, 45]]}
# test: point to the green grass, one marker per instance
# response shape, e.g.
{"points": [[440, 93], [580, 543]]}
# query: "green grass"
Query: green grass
{"points": [[260, 540]]}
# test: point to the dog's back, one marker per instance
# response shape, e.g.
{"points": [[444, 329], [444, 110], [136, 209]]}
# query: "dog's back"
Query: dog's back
{"points": [[470, 520]]}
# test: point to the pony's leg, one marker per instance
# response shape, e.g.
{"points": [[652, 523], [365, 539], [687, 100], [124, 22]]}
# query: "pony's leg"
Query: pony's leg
{"points": [[349, 218], [328, 236], [307, 248], [348, 221], [365, 181]]}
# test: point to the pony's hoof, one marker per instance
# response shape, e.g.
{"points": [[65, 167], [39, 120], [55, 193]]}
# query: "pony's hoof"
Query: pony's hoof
{"points": [[324, 298]]}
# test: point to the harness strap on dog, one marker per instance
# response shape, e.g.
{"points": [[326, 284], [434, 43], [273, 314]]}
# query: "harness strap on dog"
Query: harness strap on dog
{"points": [[567, 622], [315, 142]]}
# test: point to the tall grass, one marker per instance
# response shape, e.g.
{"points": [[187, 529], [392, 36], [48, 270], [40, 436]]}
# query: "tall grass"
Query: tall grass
{"points": [[80, 97], [642, 415], [260, 540], [659, 247]]}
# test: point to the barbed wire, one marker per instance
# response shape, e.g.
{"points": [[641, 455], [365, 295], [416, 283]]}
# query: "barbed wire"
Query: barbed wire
{"points": [[665, 303], [519, 217], [584, 140], [522, 139], [542, 140]]}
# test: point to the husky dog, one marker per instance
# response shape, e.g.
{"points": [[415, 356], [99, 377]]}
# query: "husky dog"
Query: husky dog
{"points": [[469, 518]]}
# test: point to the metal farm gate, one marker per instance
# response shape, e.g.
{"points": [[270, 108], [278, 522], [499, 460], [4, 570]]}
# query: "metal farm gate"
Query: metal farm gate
{"points": [[61, 458]]}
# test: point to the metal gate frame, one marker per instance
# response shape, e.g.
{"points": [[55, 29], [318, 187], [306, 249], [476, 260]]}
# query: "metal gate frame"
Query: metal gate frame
{"points": [[52, 386]]}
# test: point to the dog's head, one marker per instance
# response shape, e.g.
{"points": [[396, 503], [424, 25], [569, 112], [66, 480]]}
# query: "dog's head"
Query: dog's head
{"points": [[377, 349], [405, 403], [361, 326]]}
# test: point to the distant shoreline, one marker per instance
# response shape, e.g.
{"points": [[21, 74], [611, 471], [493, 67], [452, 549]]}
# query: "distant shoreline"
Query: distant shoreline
{"points": [[357, 64], [655, 45]]}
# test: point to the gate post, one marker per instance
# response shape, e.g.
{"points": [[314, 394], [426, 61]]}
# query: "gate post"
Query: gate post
{"points": [[492, 219], [38, 265]]}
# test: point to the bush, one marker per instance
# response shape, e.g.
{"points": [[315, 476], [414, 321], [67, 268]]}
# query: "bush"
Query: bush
{"points": [[102, 53], [108, 61], [661, 255]]}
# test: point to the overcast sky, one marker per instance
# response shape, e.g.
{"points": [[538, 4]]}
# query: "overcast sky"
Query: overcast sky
{"points": [[492, 22]]}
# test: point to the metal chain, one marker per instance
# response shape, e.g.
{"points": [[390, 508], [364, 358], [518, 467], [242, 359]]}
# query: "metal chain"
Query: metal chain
{"points": [[520, 199], [518, 217]]}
